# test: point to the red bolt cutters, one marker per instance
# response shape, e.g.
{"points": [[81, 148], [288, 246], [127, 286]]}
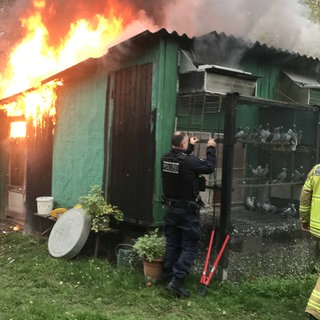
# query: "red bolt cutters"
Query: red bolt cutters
{"points": [[205, 279]]}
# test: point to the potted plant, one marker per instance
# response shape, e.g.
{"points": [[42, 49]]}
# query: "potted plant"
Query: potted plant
{"points": [[99, 210], [151, 248]]}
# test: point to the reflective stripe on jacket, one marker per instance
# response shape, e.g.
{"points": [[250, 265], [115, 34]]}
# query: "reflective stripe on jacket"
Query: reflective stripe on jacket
{"points": [[309, 208], [313, 306]]}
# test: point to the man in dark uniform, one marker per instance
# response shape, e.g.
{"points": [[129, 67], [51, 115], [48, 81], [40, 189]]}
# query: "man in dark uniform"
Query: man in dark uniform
{"points": [[182, 182]]}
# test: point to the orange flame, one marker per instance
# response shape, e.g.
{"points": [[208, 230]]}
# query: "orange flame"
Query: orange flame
{"points": [[34, 59], [15, 228]]}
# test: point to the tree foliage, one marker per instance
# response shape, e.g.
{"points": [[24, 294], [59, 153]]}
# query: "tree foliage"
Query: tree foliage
{"points": [[315, 9]]}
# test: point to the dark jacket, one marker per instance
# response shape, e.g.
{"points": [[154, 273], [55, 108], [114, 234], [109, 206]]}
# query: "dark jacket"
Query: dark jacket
{"points": [[181, 172]]}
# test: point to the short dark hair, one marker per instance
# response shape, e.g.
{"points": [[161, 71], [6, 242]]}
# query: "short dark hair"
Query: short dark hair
{"points": [[177, 138]]}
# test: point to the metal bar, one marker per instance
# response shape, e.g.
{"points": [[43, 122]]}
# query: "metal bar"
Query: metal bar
{"points": [[227, 170]]}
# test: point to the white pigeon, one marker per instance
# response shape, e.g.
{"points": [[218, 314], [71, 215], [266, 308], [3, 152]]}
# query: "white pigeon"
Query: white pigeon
{"points": [[294, 141], [287, 136], [267, 207], [250, 203], [265, 170], [258, 171], [265, 133]]}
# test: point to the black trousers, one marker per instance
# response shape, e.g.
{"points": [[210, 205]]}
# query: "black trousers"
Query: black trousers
{"points": [[182, 232]]}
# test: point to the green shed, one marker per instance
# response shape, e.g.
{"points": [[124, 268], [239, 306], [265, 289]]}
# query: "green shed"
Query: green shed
{"points": [[116, 114]]}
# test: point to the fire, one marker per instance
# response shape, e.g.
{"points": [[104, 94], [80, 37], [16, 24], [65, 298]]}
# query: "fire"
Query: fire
{"points": [[16, 228], [18, 129], [35, 59]]}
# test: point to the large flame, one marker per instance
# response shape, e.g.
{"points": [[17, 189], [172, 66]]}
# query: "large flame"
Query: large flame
{"points": [[34, 59]]}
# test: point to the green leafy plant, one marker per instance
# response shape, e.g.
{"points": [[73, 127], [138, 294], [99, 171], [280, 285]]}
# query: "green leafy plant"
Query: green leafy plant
{"points": [[99, 210], [150, 246]]}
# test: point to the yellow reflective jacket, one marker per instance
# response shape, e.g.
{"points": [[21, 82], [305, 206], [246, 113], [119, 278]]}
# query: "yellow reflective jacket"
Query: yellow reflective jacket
{"points": [[310, 201]]}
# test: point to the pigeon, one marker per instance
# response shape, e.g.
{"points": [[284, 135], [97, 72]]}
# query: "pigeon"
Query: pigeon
{"points": [[294, 139], [265, 133], [276, 135], [281, 176], [240, 134], [243, 134], [250, 203], [299, 136], [290, 210], [298, 176], [265, 170], [258, 172], [287, 136], [267, 207], [254, 134]]}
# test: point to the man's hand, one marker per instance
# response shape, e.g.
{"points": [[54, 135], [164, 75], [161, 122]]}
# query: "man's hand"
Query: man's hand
{"points": [[211, 143], [194, 140], [305, 226]]}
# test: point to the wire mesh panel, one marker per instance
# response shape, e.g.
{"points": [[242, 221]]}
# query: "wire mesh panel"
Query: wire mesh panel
{"points": [[277, 147], [201, 115]]}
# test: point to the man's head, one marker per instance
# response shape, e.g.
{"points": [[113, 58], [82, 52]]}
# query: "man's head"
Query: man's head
{"points": [[180, 140]]}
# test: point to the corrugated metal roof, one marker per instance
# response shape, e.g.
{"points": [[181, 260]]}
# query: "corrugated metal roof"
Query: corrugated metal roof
{"points": [[303, 81], [132, 45], [256, 47]]}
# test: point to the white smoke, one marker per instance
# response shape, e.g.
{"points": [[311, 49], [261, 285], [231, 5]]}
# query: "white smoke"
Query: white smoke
{"points": [[283, 24], [141, 24]]}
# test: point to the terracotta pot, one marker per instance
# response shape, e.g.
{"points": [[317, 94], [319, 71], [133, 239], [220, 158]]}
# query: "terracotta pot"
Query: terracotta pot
{"points": [[153, 269]]}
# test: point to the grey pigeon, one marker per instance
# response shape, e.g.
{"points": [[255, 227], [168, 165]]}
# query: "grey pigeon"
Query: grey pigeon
{"points": [[298, 175], [276, 135], [281, 176]]}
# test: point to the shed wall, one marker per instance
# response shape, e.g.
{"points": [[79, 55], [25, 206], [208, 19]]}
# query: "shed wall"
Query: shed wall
{"points": [[267, 85], [78, 151]]}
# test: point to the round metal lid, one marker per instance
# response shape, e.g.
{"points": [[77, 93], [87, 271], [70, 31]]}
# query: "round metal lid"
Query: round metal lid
{"points": [[69, 234]]}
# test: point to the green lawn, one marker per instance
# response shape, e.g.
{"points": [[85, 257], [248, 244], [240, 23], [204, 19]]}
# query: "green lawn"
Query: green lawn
{"points": [[36, 286]]}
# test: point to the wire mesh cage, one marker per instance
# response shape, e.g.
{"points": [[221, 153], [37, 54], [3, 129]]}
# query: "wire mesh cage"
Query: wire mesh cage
{"points": [[277, 151], [274, 149]]}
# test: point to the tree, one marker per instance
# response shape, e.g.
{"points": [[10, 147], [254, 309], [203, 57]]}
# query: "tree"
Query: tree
{"points": [[315, 9]]}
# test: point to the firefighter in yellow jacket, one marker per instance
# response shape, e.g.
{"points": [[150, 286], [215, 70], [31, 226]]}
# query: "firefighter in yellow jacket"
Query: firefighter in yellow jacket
{"points": [[310, 221]]}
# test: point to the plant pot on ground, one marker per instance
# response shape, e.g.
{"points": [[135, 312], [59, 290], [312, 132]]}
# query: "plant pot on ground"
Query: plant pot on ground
{"points": [[151, 248]]}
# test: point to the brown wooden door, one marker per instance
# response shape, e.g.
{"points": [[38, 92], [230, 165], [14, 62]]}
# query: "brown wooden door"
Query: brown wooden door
{"points": [[133, 143]]}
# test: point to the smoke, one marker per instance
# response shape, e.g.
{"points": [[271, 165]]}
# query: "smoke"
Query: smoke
{"points": [[284, 24]]}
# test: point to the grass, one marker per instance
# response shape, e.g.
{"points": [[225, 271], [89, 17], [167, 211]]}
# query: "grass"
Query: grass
{"points": [[33, 286]]}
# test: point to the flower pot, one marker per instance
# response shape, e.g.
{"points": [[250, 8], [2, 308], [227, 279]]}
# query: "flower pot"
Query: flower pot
{"points": [[153, 269]]}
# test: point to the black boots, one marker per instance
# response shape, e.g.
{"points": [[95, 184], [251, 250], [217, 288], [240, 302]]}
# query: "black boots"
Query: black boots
{"points": [[176, 286]]}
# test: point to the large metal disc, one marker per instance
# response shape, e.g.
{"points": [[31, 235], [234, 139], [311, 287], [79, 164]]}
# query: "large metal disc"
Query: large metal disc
{"points": [[69, 234]]}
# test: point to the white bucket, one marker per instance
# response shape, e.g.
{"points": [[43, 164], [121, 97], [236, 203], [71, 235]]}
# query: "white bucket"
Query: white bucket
{"points": [[44, 205]]}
